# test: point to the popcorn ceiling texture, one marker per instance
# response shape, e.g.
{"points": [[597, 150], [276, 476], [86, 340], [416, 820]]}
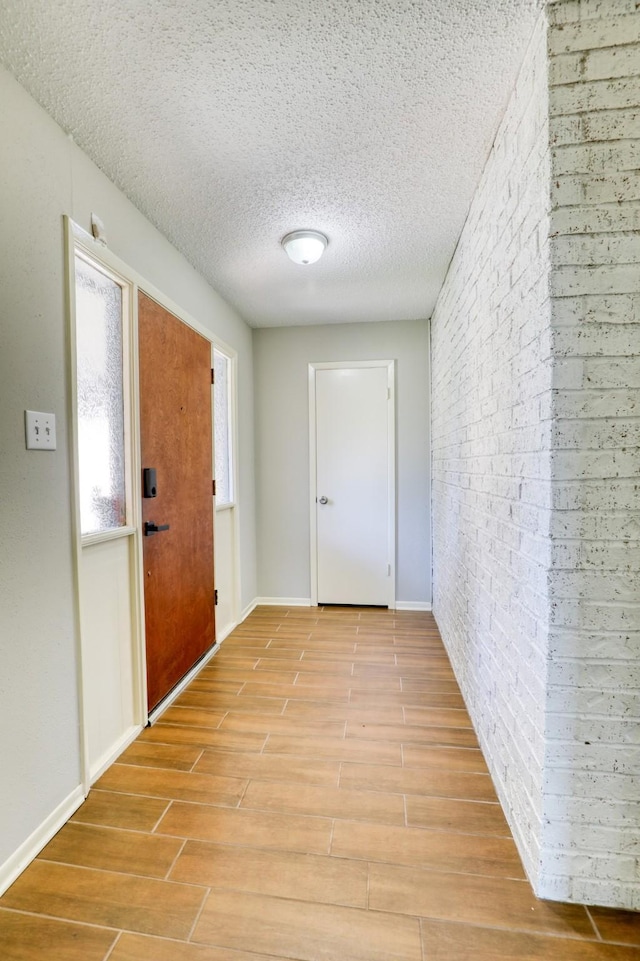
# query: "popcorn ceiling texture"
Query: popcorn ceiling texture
{"points": [[230, 123], [536, 493]]}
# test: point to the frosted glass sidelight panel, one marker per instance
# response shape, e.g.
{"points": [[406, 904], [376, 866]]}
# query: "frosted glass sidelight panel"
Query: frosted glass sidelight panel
{"points": [[222, 429], [99, 306]]}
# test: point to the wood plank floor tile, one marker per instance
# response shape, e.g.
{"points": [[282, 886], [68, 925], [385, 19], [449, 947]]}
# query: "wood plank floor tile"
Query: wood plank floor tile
{"points": [[384, 658], [319, 785], [193, 716], [163, 908], [419, 660], [280, 832], [335, 682], [176, 757], [434, 699], [238, 639], [444, 758], [120, 811], [24, 937], [615, 925], [292, 691], [437, 717], [446, 736], [344, 712], [214, 685], [418, 641], [462, 942], [173, 785], [436, 669], [382, 752], [226, 666], [428, 782], [139, 947], [445, 814], [304, 877], [285, 724], [436, 850], [273, 675], [270, 767], [392, 697], [324, 801], [429, 685], [494, 902], [109, 849], [297, 929], [328, 644], [263, 703], [200, 737], [262, 653]]}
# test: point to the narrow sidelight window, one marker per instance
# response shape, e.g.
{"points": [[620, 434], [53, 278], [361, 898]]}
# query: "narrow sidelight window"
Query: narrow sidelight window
{"points": [[100, 393], [222, 429]]}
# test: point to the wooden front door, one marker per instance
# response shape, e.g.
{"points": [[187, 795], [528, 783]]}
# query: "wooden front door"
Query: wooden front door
{"points": [[175, 429]]}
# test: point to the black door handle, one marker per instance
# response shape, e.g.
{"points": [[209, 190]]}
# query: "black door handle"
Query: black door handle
{"points": [[151, 528]]}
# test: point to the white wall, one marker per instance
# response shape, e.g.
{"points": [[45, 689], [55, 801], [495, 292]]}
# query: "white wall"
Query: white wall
{"points": [[592, 797], [491, 369], [281, 361], [43, 176], [536, 374]]}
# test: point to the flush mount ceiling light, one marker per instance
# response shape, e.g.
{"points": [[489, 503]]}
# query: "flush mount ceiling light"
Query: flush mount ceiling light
{"points": [[305, 246]]}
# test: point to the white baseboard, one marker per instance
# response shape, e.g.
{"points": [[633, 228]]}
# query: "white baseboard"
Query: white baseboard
{"points": [[224, 633], [413, 606], [113, 753], [158, 711], [248, 610], [15, 865], [306, 602], [283, 601]]}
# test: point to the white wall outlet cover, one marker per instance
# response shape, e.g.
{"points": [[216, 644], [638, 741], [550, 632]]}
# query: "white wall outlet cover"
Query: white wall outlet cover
{"points": [[40, 430]]}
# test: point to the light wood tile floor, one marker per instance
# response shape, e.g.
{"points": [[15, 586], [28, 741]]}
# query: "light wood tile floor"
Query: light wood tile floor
{"points": [[316, 794]]}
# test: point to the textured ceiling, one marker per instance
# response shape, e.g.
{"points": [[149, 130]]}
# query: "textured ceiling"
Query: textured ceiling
{"points": [[231, 122]]}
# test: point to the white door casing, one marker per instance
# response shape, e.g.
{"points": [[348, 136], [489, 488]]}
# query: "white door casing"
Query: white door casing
{"points": [[352, 465], [111, 633]]}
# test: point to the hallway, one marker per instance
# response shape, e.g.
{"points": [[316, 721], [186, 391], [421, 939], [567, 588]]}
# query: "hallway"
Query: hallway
{"points": [[317, 794]]}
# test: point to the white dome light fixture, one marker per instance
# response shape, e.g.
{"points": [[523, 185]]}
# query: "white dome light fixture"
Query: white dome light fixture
{"points": [[305, 246]]}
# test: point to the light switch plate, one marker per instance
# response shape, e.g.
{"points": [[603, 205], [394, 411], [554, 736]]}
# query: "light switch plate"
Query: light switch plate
{"points": [[40, 430]]}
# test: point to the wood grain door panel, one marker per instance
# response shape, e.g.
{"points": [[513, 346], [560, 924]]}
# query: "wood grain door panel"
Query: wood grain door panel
{"points": [[175, 428]]}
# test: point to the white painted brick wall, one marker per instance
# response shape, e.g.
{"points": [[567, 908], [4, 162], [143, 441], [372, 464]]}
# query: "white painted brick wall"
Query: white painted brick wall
{"points": [[536, 456], [491, 404], [591, 838]]}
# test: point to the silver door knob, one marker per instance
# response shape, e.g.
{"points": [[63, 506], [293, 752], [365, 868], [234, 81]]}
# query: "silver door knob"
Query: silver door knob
{"points": [[323, 500]]}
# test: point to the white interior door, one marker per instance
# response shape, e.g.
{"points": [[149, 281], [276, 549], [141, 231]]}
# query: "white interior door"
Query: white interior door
{"points": [[353, 506]]}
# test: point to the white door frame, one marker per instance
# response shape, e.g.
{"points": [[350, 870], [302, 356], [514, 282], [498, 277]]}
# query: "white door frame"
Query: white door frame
{"points": [[78, 239], [391, 461]]}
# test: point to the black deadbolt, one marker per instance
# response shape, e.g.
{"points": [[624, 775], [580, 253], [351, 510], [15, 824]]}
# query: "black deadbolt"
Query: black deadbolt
{"points": [[149, 485]]}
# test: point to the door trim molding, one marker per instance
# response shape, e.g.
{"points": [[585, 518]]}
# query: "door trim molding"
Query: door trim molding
{"points": [[76, 238], [391, 462]]}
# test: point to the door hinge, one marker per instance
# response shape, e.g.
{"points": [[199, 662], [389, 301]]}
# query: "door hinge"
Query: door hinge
{"points": [[215, 596], [388, 570], [388, 393], [213, 484], [213, 376]]}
